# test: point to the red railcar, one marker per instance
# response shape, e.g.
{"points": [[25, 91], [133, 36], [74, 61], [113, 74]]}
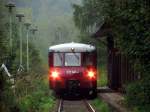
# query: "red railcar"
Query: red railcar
{"points": [[73, 68]]}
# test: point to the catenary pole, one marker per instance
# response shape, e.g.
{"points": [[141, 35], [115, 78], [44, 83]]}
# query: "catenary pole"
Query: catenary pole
{"points": [[10, 5], [20, 16], [27, 35]]}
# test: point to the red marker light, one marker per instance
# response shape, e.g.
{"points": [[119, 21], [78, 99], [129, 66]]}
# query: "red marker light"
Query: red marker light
{"points": [[54, 74], [91, 74]]}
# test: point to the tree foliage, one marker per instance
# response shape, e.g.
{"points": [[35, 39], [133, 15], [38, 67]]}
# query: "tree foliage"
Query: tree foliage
{"points": [[130, 21], [11, 94], [3, 34], [130, 24]]}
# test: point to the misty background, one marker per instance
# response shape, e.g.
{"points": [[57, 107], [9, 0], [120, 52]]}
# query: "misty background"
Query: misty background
{"points": [[54, 19]]}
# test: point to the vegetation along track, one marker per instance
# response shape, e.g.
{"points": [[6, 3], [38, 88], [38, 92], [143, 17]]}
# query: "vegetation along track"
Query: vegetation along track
{"points": [[74, 106]]}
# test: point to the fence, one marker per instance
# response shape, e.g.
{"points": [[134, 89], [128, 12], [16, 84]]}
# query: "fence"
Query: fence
{"points": [[120, 71]]}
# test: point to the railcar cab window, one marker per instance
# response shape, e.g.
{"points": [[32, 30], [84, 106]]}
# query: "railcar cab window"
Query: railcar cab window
{"points": [[88, 59], [72, 59], [58, 59]]}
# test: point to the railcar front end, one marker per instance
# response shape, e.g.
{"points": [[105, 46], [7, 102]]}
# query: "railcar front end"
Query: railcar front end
{"points": [[73, 70]]}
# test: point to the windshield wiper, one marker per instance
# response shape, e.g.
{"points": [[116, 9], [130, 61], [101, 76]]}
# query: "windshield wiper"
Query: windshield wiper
{"points": [[60, 57], [76, 55]]}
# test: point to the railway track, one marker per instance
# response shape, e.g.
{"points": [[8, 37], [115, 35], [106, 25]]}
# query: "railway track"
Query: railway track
{"points": [[74, 106]]}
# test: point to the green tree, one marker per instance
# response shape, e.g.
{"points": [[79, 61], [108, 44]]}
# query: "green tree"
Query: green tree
{"points": [[130, 23]]}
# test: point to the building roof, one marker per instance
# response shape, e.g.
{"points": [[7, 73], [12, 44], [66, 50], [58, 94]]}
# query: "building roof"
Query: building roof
{"points": [[72, 47], [103, 30]]}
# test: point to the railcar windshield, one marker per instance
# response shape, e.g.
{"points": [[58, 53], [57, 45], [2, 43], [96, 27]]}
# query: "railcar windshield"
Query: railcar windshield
{"points": [[58, 59], [67, 59], [72, 59]]}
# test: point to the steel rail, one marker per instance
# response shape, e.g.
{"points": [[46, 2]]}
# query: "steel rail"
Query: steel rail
{"points": [[89, 106], [60, 105], [85, 102]]}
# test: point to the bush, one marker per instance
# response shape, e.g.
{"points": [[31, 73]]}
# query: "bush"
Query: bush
{"points": [[40, 100], [138, 95], [101, 105]]}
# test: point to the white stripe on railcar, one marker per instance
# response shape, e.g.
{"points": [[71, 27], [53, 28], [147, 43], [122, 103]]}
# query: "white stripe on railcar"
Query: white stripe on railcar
{"points": [[67, 47]]}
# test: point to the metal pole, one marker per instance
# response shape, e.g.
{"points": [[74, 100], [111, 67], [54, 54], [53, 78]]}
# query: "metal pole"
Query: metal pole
{"points": [[20, 16], [20, 44], [10, 5], [10, 34], [27, 50], [27, 28], [33, 30]]}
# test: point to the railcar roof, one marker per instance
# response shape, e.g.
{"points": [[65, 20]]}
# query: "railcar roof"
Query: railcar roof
{"points": [[69, 47]]}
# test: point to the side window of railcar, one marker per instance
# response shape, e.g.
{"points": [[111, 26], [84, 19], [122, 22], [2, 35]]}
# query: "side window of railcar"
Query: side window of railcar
{"points": [[88, 59], [72, 59], [58, 59]]}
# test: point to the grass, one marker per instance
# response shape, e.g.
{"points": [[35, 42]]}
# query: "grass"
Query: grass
{"points": [[39, 100], [100, 105], [102, 76]]}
